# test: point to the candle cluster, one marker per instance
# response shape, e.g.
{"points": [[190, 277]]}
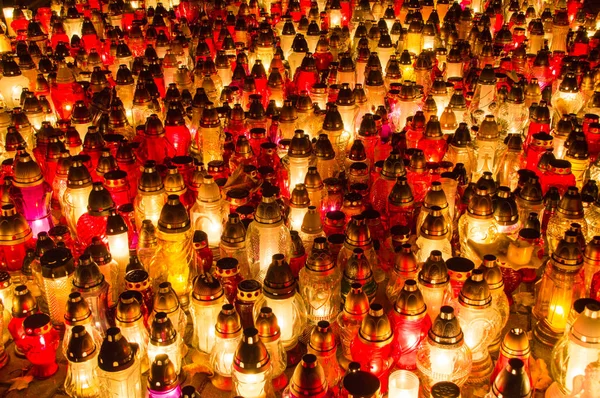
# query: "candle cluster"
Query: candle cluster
{"points": [[352, 188]]}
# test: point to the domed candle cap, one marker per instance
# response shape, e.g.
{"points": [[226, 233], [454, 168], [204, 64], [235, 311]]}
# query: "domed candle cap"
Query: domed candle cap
{"points": [[410, 303], [571, 205], [309, 378], [311, 224], [320, 259], [299, 197], [434, 271], [206, 289], [515, 344], [234, 233], [162, 375], [393, 167], [401, 194], [567, 255], [27, 171], [475, 292], [78, 310], [358, 267], [491, 272], [405, 260], [375, 327], [14, 229], [228, 322], [268, 210], [100, 201], [251, 355], [99, 252], [116, 354], [592, 250], [279, 280], [357, 302], [300, 146], [81, 346], [322, 338], [434, 226], [174, 217], [87, 275], [435, 196], [37, 324], [57, 263], [357, 232], [586, 328], [165, 299], [23, 302], [513, 381], [162, 331], [445, 330], [480, 204], [267, 326], [360, 383], [129, 309]]}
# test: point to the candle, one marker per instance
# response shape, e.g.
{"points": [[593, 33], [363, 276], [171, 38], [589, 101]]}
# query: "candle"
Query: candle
{"points": [[403, 384]]}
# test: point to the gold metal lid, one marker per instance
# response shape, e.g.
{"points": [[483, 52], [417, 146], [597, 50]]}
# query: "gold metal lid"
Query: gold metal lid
{"points": [[568, 256], [445, 330], [14, 229], [322, 338], [162, 331], [434, 226], [165, 299], [77, 310], [100, 201], [492, 273], [513, 381], [268, 210], [251, 355], [434, 271], [311, 224], [357, 302], [401, 194], [234, 233], [87, 275], [586, 328], [475, 292], [405, 260], [162, 375], [309, 379], [515, 344], [357, 232], [129, 308], [81, 346], [376, 328], [435, 196], [174, 217], [299, 197], [410, 304], [57, 263], [267, 326], [480, 204], [23, 302], [320, 259], [393, 167], [206, 289], [228, 323], [279, 280], [27, 172]]}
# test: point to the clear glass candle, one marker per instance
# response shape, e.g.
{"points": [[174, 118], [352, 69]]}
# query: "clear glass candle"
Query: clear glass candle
{"points": [[82, 357], [228, 334], [252, 367], [208, 297], [164, 339], [119, 369], [57, 274], [403, 384]]}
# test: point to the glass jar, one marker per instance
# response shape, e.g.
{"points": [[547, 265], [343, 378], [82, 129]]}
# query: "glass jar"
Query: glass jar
{"points": [[208, 297], [82, 356], [119, 368]]}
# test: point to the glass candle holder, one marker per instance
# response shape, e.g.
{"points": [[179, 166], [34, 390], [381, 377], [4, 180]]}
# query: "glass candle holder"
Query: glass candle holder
{"points": [[308, 379], [209, 213], [82, 356], [175, 246], [320, 284], [119, 369], [252, 367], [434, 283], [515, 344], [90, 283], [75, 199], [79, 313], [228, 334], [23, 304], [166, 300], [163, 381], [444, 356], [270, 335], [410, 323], [40, 345], [129, 318], [323, 345], [405, 267], [57, 274], [279, 294], [208, 298], [164, 339]]}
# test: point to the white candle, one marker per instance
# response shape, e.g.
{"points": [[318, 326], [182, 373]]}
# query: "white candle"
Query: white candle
{"points": [[403, 384]]}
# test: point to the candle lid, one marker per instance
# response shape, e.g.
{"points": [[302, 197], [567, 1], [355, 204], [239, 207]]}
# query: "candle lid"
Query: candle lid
{"points": [[410, 303], [129, 309], [166, 299], [445, 330], [249, 290], [513, 381], [77, 310], [279, 280], [393, 167], [375, 327], [57, 263], [174, 217], [434, 271], [207, 289], [309, 378], [361, 384], [116, 354], [322, 338], [515, 344], [162, 375], [586, 328], [357, 302], [81, 346], [405, 260], [162, 331], [268, 210], [320, 259], [267, 326], [27, 172], [23, 302], [99, 252], [251, 355], [228, 323]]}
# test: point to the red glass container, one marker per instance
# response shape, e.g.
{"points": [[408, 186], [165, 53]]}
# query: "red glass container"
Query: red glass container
{"points": [[40, 345], [228, 273]]}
